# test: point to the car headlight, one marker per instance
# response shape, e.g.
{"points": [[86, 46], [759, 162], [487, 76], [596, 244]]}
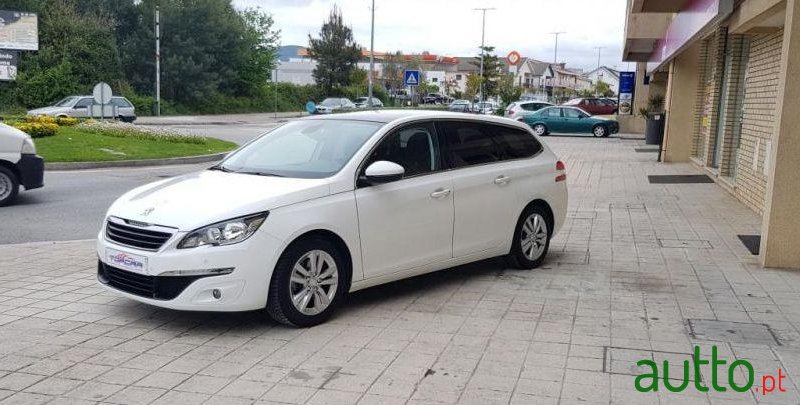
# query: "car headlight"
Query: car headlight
{"points": [[28, 148], [224, 233]]}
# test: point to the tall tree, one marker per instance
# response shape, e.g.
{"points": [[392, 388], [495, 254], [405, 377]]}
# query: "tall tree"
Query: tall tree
{"points": [[393, 67], [491, 70], [336, 52], [508, 90]]}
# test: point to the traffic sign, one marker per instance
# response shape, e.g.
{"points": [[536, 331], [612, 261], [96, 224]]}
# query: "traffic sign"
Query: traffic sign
{"points": [[513, 58], [411, 77], [102, 93]]}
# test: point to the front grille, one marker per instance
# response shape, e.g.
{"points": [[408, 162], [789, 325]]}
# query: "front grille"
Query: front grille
{"points": [[155, 287], [136, 237]]}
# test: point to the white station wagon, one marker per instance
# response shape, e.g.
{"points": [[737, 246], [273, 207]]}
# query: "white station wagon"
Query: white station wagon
{"points": [[322, 206]]}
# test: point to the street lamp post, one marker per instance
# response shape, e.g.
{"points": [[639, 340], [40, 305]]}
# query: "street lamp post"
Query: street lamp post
{"points": [[555, 56], [483, 43], [599, 51], [371, 57], [158, 61]]}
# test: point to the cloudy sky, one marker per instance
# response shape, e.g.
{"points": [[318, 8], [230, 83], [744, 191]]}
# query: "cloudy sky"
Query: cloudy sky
{"points": [[451, 27]]}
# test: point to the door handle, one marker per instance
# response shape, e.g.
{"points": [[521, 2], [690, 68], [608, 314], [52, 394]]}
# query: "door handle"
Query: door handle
{"points": [[441, 193], [502, 180]]}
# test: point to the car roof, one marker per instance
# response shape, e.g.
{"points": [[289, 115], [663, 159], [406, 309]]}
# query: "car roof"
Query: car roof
{"points": [[389, 115]]}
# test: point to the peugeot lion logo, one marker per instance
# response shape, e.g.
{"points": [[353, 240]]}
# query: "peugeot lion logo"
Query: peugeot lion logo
{"points": [[148, 211]]}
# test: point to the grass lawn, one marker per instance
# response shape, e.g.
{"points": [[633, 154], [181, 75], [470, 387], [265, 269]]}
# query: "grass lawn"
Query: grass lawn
{"points": [[72, 144]]}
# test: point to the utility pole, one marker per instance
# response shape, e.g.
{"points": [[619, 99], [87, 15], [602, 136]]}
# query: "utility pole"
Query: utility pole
{"points": [[483, 43], [555, 57], [599, 50], [371, 57], [158, 61]]}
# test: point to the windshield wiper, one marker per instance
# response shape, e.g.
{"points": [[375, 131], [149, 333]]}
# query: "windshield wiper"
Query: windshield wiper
{"points": [[261, 174], [220, 168]]}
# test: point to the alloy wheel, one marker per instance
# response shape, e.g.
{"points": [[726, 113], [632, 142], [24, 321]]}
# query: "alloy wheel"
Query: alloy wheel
{"points": [[599, 131], [313, 283], [6, 187], [534, 236], [539, 130]]}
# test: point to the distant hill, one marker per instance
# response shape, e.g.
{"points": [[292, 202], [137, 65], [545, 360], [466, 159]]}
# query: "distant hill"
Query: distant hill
{"points": [[289, 51]]}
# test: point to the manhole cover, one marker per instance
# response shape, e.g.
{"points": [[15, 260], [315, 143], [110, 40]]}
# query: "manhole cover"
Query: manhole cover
{"points": [[680, 179], [733, 332], [685, 243]]}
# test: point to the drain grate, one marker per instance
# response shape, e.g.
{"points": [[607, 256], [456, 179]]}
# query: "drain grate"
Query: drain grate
{"points": [[685, 243], [752, 243], [645, 150], [680, 179], [732, 332]]}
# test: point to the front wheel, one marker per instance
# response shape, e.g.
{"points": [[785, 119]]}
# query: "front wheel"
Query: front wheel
{"points": [[310, 280], [531, 239], [600, 131], [9, 186], [540, 129]]}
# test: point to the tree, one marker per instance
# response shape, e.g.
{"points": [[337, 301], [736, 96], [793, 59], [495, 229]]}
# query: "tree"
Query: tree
{"points": [[491, 70], [508, 90], [603, 89], [336, 52], [473, 86], [393, 68]]}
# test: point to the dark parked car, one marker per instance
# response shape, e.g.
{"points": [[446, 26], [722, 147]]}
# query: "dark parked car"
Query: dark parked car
{"points": [[434, 98], [594, 106], [568, 119]]}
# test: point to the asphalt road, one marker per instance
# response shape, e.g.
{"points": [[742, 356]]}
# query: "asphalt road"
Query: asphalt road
{"points": [[72, 205]]}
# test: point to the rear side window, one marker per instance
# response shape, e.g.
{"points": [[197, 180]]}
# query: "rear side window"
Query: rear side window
{"points": [[121, 102], [468, 144], [84, 102], [552, 112], [531, 107], [513, 143]]}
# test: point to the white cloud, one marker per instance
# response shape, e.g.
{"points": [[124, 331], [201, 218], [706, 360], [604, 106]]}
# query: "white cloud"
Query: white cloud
{"points": [[451, 27]]}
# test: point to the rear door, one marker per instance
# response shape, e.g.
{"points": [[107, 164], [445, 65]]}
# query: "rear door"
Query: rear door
{"points": [[483, 196], [81, 108]]}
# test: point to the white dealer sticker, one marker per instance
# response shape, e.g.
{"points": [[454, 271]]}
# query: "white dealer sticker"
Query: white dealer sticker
{"points": [[126, 261]]}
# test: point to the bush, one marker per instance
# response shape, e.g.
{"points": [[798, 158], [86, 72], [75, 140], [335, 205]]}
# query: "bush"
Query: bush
{"points": [[37, 129], [67, 121], [60, 121]]}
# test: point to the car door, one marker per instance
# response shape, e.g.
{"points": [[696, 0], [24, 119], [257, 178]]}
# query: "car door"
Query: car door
{"points": [[553, 119], [572, 120], [483, 197], [407, 223], [81, 108]]}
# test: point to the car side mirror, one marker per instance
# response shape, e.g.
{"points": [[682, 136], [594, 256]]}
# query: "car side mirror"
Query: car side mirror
{"points": [[382, 172]]}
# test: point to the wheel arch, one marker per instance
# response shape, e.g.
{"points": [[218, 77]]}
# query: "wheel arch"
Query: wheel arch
{"points": [[338, 242], [551, 218], [10, 166]]}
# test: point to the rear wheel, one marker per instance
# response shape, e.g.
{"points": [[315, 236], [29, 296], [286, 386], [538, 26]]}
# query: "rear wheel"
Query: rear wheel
{"points": [[540, 129], [600, 131], [310, 280], [531, 239], [9, 186]]}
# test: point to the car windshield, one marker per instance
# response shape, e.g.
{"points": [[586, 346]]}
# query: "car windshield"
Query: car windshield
{"points": [[308, 149], [65, 102], [330, 102], [361, 100]]}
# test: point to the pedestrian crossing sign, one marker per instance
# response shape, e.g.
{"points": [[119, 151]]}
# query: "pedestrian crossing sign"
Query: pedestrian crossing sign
{"points": [[411, 77]]}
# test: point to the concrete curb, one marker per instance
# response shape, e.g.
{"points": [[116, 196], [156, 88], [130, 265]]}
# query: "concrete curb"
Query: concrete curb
{"points": [[135, 163]]}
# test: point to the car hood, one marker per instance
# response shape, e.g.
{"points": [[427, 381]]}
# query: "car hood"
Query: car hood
{"points": [[46, 110], [194, 200]]}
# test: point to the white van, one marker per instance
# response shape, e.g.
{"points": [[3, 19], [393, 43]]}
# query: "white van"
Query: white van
{"points": [[19, 164]]}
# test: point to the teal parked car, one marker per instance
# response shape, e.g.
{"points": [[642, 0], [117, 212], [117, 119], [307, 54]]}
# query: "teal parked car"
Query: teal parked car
{"points": [[570, 120]]}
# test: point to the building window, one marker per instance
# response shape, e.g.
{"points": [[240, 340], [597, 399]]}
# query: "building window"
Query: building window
{"points": [[435, 79], [458, 77]]}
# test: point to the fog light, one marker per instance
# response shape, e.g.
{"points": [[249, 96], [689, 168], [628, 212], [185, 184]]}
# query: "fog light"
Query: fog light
{"points": [[216, 293]]}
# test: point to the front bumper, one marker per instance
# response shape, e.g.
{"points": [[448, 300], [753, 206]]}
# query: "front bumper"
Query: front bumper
{"points": [[244, 289], [31, 169]]}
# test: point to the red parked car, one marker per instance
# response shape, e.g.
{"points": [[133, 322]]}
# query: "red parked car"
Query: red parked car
{"points": [[594, 106]]}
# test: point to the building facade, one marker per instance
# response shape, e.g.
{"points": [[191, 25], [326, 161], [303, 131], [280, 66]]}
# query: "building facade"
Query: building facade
{"points": [[606, 75], [725, 69]]}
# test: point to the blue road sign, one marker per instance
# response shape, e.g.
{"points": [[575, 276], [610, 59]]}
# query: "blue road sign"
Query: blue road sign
{"points": [[411, 77], [311, 107]]}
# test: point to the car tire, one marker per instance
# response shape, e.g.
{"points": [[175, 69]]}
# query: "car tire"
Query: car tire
{"points": [[285, 283], [531, 239], [127, 119], [600, 131], [540, 129], [9, 186]]}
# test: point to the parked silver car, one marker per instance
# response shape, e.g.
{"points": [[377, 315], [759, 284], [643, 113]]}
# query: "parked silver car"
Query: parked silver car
{"points": [[78, 107], [362, 102], [335, 104]]}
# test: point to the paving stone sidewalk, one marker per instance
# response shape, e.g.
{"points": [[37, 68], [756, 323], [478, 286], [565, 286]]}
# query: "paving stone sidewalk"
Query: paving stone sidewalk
{"points": [[640, 271]]}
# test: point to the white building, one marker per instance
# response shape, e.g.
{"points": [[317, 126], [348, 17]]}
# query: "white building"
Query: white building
{"points": [[298, 71], [607, 75]]}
